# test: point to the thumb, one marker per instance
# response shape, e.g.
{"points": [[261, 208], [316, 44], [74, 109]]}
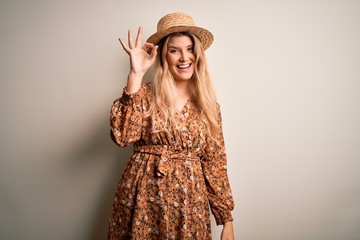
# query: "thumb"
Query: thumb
{"points": [[153, 53]]}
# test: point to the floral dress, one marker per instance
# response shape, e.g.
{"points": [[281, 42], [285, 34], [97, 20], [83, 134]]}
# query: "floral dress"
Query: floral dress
{"points": [[172, 177]]}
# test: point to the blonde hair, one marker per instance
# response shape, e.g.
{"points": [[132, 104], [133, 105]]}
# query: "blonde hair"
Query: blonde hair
{"points": [[162, 108]]}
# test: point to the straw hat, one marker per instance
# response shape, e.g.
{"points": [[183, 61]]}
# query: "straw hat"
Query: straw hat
{"points": [[180, 22]]}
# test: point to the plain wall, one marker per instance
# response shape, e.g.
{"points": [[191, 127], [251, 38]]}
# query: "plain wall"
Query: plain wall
{"points": [[287, 75]]}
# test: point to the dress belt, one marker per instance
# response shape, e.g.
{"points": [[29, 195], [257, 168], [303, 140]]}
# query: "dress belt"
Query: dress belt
{"points": [[166, 153]]}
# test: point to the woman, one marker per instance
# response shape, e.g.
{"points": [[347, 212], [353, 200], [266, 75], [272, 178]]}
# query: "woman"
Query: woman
{"points": [[179, 161]]}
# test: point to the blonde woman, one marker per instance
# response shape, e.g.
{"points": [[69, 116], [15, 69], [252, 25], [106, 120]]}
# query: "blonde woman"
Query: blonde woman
{"points": [[178, 167]]}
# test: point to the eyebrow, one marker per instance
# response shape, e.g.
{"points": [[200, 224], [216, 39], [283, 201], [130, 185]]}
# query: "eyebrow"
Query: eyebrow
{"points": [[191, 45]]}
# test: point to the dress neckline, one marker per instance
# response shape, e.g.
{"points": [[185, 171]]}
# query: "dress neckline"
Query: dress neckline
{"points": [[185, 107]]}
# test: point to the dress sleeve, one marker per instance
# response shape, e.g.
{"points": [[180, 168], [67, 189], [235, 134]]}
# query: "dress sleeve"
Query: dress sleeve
{"points": [[126, 118], [216, 178]]}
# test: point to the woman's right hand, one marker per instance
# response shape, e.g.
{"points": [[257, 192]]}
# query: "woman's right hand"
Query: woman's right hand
{"points": [[140, 60]]}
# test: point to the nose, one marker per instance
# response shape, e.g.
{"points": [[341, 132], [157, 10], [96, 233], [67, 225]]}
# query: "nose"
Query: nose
{"points": [[184, 57]]}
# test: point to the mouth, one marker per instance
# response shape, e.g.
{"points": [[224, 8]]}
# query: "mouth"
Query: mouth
{"points": [[184, 66]]}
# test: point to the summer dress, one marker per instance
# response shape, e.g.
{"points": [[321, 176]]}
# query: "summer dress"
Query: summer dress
{"points": [[171, 178]]}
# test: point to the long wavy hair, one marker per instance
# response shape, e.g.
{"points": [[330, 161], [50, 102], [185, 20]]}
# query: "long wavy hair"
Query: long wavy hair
{"points": [[162, 108]]}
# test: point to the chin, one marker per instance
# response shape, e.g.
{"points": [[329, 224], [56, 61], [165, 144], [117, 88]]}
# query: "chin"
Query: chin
{"points": [[183, 78]]}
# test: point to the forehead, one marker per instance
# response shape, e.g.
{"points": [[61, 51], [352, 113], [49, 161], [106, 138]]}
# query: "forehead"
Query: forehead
{"points": [[180, 41]]}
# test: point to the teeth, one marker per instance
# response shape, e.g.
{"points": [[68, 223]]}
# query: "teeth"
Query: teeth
{"points": [[184, 66]]}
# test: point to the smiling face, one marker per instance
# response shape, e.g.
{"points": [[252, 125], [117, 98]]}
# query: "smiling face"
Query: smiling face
{"points": [[180, 57]]}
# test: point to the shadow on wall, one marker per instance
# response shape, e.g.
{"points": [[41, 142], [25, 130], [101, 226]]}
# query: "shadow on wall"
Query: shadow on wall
{"points": [[99, 153], [107, 161], [99, 226]]}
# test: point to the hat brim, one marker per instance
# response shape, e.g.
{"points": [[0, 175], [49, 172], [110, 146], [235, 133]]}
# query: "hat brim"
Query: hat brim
{"points": [[206, 38]]}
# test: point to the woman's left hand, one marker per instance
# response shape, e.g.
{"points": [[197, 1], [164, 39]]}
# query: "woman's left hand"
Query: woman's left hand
{"points": [[228, 231]]}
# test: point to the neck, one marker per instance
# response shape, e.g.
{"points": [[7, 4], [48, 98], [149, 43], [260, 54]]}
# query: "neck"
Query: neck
{"points": [[182, 88]]}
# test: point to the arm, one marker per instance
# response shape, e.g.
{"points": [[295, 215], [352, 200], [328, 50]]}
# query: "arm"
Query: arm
{"points": [[228, 231], [126, 118], [216, 179], [127, 111]]}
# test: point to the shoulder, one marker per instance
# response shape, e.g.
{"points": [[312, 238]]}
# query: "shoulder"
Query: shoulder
{"points": [[218, 108], [146, 90], [145, 87]]}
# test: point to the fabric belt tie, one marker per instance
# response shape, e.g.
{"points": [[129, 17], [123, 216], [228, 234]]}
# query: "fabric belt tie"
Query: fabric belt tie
{"points": [[165, 153]]}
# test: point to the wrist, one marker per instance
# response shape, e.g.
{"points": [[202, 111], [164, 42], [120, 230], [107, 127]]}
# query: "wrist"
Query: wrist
{"points": [[135, 76], [228, 224], [134, 82]]}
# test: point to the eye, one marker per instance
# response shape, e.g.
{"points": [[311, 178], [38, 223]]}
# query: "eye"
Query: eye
{"points": [[174, 50], [190, 49]]}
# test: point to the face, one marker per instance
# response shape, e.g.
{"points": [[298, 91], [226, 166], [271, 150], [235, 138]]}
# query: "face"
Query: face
{"points": [[180, 57]]}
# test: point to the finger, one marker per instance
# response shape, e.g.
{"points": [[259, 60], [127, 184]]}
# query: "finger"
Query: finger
{"points": [[130, 40], [126, 49], [148, 46], [153, 53], [138, 38]]}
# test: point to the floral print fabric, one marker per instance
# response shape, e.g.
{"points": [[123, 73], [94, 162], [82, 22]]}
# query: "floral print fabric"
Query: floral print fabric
{"points": [[171, 178]]}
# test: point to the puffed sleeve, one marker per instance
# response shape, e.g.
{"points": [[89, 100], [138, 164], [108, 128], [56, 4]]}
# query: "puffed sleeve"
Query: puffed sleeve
{"points": [[215, 170], [126, 117]]}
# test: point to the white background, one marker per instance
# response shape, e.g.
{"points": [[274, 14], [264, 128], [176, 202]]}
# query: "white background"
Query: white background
{"points": [[287, 75]]}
